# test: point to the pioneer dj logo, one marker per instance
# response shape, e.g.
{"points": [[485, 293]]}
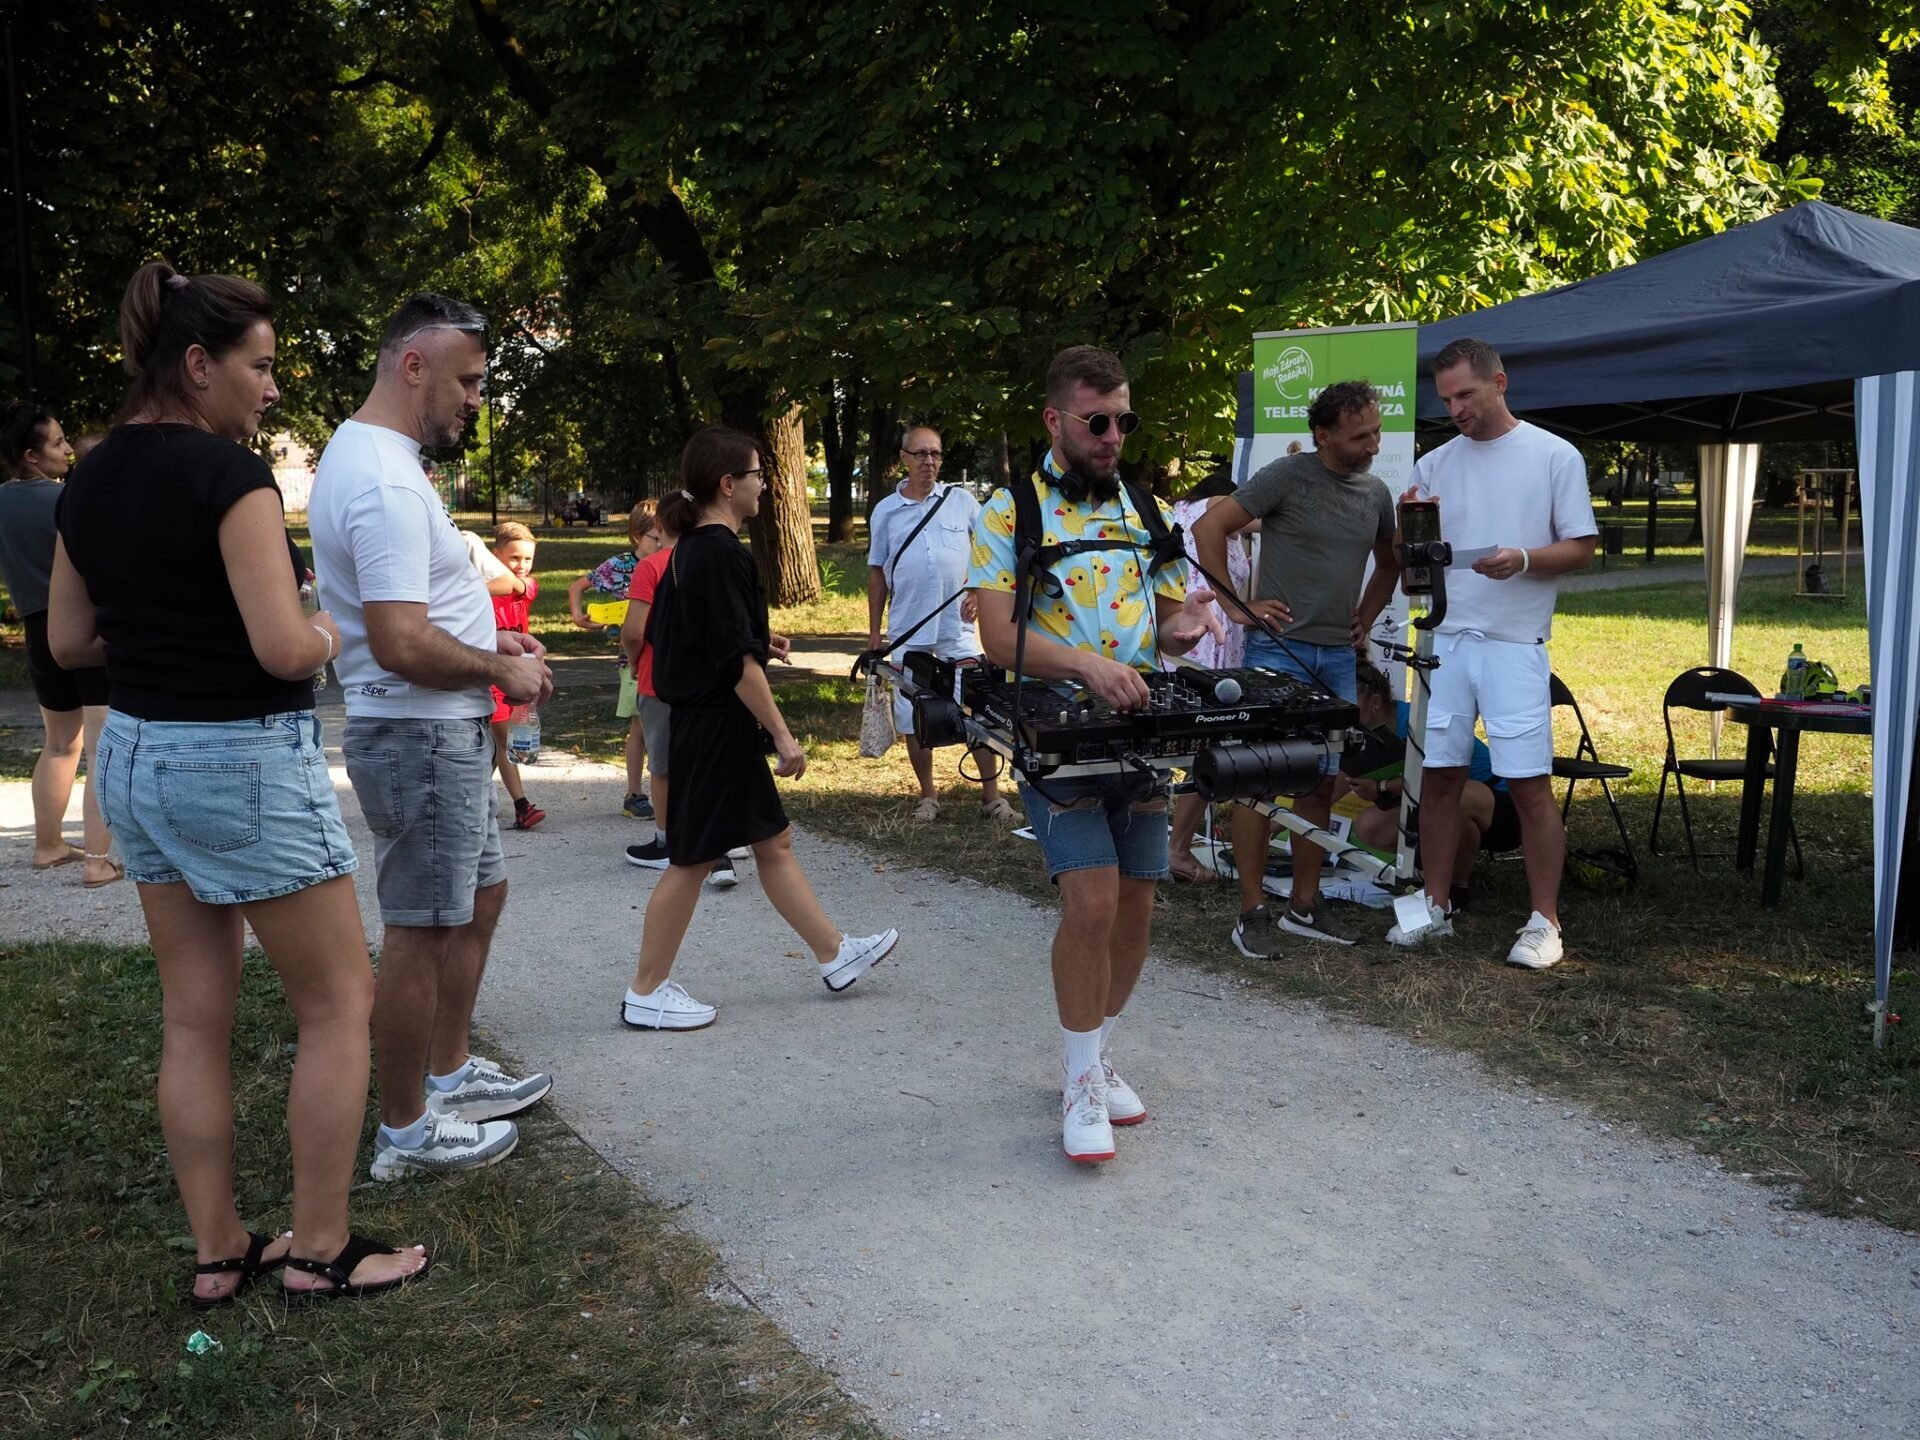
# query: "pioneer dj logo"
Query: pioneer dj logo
{"points": [[1224, 717]]}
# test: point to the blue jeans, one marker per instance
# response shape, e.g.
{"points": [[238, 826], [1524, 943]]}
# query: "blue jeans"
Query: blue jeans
{"points": [[1100, 822], [237, 810]]}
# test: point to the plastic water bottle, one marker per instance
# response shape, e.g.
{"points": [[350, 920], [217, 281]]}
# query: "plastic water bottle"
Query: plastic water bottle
{"points": [[1793, 684], [310, 606], [523, 734]]}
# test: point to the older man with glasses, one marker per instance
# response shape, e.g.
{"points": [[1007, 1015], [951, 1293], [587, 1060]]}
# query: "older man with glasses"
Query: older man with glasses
{"points": [[918, 549]]}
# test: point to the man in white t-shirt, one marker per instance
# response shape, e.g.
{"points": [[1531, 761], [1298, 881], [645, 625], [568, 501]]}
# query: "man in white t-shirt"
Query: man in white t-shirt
{"points": [[1515, 496], [418, 655], [919, 550]]}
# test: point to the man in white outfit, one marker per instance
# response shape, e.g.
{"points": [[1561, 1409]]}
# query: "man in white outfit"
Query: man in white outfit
{"points": [[418, 653], [1518, 493], [918, 554]]}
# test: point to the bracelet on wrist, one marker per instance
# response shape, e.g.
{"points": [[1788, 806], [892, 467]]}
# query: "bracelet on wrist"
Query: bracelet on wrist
{"points": [[1526, 561], [327, 636]]}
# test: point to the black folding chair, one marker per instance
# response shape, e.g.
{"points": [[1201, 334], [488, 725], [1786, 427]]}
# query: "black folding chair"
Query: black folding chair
{"points": [[1585, 764], [1689, 691]]}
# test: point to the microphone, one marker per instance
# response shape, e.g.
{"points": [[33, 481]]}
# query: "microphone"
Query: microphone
{"points": [[1226, 690]]}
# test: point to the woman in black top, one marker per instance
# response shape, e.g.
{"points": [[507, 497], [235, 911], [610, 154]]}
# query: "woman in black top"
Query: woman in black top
{"points": [[73, 703], [172, 565], [708, 629]]}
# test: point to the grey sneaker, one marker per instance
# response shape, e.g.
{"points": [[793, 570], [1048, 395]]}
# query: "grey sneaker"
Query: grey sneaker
{"points": [[1316, 924], [1254, 936], [450, 1146], [486, 1092]]}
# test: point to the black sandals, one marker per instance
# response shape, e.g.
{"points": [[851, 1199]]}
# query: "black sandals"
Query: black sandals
{"points": [[248, 1267], [340, 1269]]}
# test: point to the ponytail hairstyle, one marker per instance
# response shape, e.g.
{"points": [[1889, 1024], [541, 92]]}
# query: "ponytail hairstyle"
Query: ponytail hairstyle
{"points": [[164, 314], [24, 428], [675, 514], [710, 455]]}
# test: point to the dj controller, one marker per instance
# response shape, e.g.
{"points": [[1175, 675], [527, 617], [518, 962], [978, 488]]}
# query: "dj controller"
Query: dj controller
{"points": [[1057, 725]]}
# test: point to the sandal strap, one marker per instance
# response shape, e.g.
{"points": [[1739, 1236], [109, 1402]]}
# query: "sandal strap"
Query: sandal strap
{"points": [[247, 1264], [340, 1269]]}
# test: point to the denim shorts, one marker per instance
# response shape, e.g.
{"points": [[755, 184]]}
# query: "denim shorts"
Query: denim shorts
{"points": [[1100, 822], [426, 788], [237, 810], [1331, 667]]}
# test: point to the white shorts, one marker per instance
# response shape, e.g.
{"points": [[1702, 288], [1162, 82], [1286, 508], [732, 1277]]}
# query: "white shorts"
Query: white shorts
{"points": [[1503, 683], [903, 708]]}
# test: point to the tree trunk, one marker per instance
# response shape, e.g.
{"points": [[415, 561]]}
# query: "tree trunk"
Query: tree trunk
{"points": [[840, 438], [883, 451], [1002, 462], [782, 532]]}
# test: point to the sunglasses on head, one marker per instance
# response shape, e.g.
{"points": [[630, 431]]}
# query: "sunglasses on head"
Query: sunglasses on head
{"points": [[1099, 422]]}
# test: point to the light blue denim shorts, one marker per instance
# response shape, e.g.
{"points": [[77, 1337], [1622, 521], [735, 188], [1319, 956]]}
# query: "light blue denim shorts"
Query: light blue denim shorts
{"points": [[1331, 667], [1100, 822], [426, 788], [237, 810]]}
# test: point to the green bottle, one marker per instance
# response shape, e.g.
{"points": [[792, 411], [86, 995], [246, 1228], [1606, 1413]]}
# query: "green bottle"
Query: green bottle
{"points": [[1793, 684]]}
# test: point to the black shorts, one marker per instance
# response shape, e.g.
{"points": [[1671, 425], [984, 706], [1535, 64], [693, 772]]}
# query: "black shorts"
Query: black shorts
{"points": [[56, 689], [1503, 831]]}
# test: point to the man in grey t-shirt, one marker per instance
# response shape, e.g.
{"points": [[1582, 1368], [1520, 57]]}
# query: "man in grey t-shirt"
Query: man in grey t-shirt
{"points": [[1321, 513]]}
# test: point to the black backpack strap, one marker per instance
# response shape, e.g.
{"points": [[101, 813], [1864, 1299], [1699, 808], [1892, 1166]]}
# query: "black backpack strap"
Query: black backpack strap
{"points": [[1164, 544]]}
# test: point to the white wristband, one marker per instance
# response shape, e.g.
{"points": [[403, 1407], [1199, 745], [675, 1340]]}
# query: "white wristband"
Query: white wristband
{"points": [[327, 636], [1526, 562]]}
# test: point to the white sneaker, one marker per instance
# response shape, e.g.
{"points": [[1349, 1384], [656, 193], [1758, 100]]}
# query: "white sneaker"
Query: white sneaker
{"points": [[1441, 928], [450, 1145], [486, 1092], [1124, 1106], [1539, 944], [721, 876], [856, 957], [1086, 1130], [669, 1007], [740, 852]]}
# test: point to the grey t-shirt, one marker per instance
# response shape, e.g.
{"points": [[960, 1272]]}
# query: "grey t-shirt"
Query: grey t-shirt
{"points": [[1317, 530], [26, 541]]}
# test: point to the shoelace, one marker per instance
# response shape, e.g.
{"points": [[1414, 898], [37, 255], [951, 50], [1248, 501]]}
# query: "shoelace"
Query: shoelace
{"points": [[1087, 1098], [1534, 936], [464, 1132], [671, 990]]}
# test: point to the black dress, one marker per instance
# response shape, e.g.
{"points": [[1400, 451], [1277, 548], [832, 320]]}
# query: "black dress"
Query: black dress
{"points": [[709, 618]]}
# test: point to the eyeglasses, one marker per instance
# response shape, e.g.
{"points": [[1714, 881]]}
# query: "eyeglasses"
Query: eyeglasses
{"points": [[934, 455], [1098, 423], [753, 474]]}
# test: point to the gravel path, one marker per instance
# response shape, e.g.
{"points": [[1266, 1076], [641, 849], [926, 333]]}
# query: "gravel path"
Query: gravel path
{"points": [[1322, 1230]]}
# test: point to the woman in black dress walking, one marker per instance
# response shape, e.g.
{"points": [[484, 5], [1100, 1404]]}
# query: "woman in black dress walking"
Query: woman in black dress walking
{"points": [[711, 644]]}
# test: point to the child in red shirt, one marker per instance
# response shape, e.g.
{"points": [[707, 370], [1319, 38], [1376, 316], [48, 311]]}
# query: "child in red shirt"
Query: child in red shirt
{"points": [[513, 546]]}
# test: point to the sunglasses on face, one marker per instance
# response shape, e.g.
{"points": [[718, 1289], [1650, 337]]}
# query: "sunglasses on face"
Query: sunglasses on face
{"points": [[1100, 422]]}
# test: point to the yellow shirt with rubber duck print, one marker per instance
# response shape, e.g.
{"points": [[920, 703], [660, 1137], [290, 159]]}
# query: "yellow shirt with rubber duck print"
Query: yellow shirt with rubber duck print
{"points": [[1103, 604]]}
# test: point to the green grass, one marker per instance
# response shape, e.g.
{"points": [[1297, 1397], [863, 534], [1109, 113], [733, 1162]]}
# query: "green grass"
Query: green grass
{"points": [[1683, 1005], [561, 1304]]}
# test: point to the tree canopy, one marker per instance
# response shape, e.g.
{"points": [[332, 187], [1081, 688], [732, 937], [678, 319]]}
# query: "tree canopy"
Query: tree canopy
{"points": [[781, 214]]}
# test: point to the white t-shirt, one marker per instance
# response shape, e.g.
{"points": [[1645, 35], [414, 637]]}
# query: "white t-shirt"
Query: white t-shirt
{"points": [[1528, 488], [381, 533], [933, 567]]}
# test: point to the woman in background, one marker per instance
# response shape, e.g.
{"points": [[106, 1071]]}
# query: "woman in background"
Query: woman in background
{"points": [[73, 703]]}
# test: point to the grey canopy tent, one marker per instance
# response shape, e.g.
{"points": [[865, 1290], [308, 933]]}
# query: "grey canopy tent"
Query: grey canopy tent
{"points": [[1805, 325]]}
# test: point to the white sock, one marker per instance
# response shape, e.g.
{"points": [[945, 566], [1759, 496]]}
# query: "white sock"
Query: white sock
{"points": [[445, 1083], [1082, 1050], [408, 1137], [1538, 919], [1106, 1031]]}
